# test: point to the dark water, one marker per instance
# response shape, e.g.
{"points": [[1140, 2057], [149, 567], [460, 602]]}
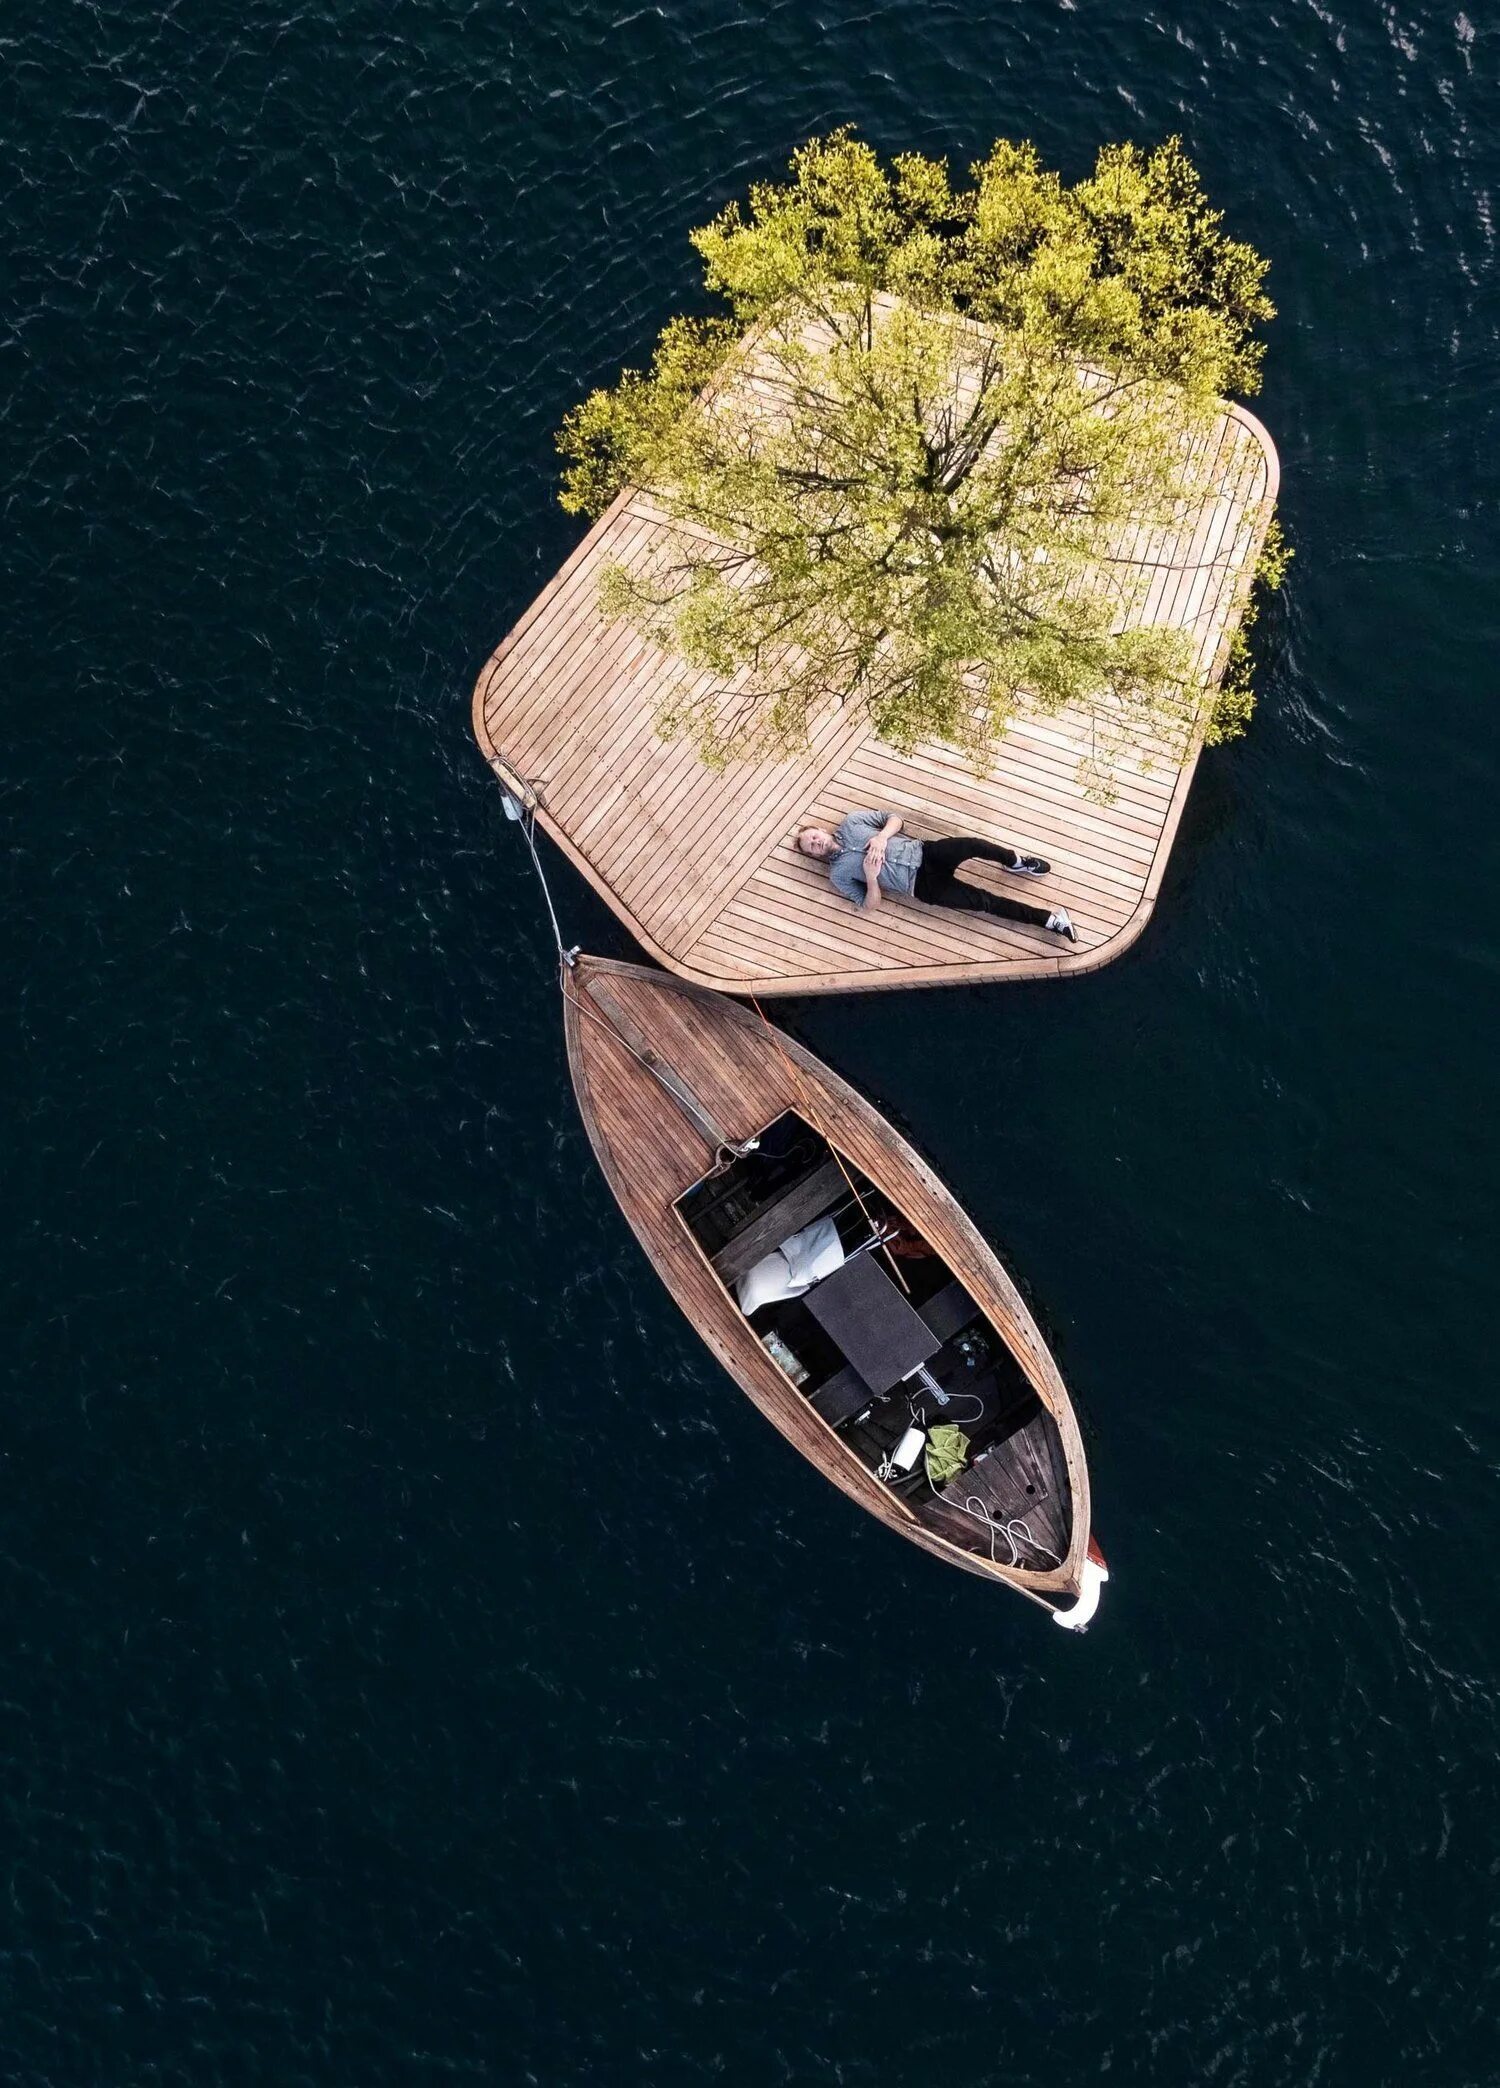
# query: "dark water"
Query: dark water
{"points": [[419, 1664]]}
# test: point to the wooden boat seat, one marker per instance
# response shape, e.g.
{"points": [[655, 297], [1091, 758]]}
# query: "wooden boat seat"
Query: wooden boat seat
{"points": [[839, 1398], [950, 1309], [775, 1222]]}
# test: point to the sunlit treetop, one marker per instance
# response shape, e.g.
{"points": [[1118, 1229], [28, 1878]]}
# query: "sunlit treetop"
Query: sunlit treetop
{"points": [[903, 469], [1129, 267]]}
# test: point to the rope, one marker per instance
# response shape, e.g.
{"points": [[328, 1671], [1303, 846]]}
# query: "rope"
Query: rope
{"points": [[525, 818], [944, 1414], [979, 1509]]}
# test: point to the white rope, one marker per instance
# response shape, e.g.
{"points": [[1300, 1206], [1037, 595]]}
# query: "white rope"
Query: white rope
{"points": [[970, 1419], [525, 818], [979, 1509], [526, 821]]}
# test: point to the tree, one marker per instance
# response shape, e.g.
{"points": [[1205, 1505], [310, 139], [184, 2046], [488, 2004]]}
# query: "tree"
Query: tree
{"points": [[907, 468]]}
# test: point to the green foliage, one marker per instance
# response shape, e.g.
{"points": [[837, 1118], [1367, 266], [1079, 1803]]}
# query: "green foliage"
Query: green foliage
{"points": [[905, 470], [1233, 702], [615, 436], [1129, 266]]}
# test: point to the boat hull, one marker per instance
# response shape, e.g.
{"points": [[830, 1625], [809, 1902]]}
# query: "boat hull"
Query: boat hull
{"points": [[629, 1032]]}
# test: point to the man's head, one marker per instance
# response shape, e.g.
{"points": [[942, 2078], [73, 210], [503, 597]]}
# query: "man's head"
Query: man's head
{"points": [[816, 842]]}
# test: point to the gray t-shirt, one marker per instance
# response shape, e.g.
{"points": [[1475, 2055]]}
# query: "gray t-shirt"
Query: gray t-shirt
{"points": [[846, 870]]}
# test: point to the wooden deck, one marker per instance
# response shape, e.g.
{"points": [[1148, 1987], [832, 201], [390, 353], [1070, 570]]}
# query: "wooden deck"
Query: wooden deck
{"points": [[700, 864]]}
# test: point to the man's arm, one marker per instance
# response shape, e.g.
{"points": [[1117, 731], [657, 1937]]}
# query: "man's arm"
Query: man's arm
{"points": [[848, 881], [875, 856]]}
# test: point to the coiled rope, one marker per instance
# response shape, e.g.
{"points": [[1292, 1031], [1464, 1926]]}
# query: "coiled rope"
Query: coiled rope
{"points": [[979, 1509]]}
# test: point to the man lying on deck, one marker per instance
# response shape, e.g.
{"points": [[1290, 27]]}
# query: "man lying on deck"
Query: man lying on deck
{"points": [[869, 857]]}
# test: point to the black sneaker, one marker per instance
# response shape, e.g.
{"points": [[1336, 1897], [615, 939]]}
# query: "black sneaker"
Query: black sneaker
{"points": [[1029, 866], [1061, 924]]}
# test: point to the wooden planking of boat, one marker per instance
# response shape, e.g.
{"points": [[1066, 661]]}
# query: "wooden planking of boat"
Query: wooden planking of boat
{"points": [[835, 1279]]}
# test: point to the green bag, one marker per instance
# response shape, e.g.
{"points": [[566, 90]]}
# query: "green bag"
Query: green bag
{"points": [[947, 1453]]}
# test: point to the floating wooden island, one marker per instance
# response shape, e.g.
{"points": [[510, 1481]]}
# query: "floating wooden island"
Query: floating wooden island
{"points": [[700, 863]]}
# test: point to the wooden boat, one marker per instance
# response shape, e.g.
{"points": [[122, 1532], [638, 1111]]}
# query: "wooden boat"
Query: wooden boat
{"points": [[738, 1158]]}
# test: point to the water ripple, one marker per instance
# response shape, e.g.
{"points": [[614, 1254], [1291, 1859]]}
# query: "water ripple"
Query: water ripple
{"points": [[419, 1664]]}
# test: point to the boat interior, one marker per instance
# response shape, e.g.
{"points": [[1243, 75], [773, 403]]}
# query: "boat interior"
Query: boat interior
{"points": [[863, 1317]]}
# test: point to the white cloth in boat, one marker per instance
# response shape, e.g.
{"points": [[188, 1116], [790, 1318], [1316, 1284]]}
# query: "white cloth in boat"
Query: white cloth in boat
{"points": [[793, 1267]]}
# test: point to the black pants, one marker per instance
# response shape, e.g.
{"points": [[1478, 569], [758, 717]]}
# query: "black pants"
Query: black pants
{"points": [[937, 883]]}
